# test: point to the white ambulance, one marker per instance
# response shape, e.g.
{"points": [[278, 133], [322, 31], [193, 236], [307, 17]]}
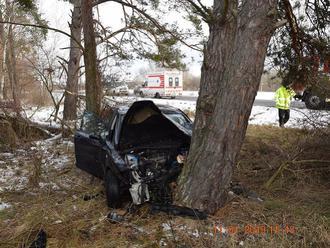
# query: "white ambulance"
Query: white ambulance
{"points": [[163, 84]]}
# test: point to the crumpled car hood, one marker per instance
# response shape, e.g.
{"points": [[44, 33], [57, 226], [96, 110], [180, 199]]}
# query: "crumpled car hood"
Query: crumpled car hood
{"points": [[147, 114]]}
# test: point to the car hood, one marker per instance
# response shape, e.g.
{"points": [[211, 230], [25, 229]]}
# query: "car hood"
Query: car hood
{"points": [[145, 122]]}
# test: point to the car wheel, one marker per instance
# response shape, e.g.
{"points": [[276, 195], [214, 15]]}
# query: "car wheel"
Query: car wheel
{"points": [[313, 102], [157, 95], [111, 189], [141, 94]]}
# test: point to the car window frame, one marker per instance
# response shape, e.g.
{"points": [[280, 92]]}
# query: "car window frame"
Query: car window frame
{"points": [[112, 127]]}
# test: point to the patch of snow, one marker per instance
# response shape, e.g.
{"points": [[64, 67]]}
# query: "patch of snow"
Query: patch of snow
{"points": [[11, 180], [16, 169], [4, 205], [299, 118], [7, 154], [43, 115], [68, 143], [61, 162], [259, 115], [180, 104], [263, 95], [166, 227], [190, 93]]}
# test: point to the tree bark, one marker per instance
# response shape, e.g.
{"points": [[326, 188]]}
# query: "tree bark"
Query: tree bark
{"points": [[11, 69], [71, 91], [231, 72], [92, 77], [3, 56]]}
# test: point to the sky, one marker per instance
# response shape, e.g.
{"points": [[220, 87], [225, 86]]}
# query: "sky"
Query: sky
{"points": [[57, 13]]}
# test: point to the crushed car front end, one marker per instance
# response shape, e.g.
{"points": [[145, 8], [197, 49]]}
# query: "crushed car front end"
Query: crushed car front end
{"points": [[154, 144]]}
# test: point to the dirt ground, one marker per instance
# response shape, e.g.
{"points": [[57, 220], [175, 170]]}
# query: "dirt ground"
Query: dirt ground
{"points": [[284, 199]]}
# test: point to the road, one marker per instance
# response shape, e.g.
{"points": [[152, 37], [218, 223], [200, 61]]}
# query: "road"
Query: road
{"points": [[257, 102]]}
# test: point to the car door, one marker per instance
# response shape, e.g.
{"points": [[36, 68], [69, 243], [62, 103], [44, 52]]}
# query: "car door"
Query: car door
{"points": [[88, 142]]}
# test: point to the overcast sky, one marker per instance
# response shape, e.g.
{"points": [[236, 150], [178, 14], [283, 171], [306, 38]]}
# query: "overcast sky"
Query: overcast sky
{"points": [[57, 13]]}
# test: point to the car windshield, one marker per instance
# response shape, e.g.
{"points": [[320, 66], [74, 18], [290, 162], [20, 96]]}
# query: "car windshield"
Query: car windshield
{"points": [[180, 119]]}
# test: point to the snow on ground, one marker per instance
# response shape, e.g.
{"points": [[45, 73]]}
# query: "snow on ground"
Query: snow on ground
{"points": [[4, 205], [43, 115], [20, 169], [190, 93], [180, 104], [300, 118], [262, 95]]}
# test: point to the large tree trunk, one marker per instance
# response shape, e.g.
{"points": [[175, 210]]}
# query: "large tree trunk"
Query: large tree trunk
{"points": [[92, 84], [11, 69], [71, 91], [3, 56], [231, 73]]}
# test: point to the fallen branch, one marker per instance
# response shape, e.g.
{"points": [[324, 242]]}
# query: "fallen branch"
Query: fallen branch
{"points": [[286, 164], [310, 161]]}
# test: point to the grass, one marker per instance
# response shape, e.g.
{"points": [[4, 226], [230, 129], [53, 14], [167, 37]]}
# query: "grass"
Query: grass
{"points": [[295, 211]]}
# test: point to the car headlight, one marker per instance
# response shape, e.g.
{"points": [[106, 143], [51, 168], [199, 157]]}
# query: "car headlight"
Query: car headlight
{"points": [[132, 161]]}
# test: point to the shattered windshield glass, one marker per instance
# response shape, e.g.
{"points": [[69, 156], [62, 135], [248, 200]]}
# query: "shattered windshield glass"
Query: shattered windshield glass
{"points": [[93, 125], [180, 119]]}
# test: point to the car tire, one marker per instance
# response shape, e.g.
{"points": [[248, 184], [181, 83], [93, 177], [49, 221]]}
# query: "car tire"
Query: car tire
{"points": [[157, 95], [141, 94], [313, 102], [111, 189]]}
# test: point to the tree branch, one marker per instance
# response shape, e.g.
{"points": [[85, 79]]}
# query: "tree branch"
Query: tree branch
{"points": [[45, 27], [150, 18], [202, 10]]}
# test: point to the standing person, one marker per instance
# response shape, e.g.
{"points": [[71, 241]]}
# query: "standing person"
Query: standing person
{"points": [[283, 97]]}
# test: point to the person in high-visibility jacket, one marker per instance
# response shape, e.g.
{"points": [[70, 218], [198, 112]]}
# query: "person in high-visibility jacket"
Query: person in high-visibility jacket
{"points": [[283, 97]]}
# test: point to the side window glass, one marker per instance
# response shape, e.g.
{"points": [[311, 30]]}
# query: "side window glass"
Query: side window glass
{"points": [[91, 124], [176, 81], [170, 81]]}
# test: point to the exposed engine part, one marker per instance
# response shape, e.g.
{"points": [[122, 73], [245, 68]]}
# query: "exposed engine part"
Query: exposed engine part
{"points": [[139, 193], [159, 157], [139, 190], [152, 171], [132, 161]]}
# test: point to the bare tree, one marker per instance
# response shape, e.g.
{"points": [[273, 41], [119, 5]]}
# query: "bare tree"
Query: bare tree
{"points": [[3, 40], [71, 91], [11, 69], [10, 59], [92, 77], [49, 74]]}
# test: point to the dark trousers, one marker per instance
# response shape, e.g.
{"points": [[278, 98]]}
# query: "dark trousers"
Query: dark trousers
{"points": [[284, 116]]}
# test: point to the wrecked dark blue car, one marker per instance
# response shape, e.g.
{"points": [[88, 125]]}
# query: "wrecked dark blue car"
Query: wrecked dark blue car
{"points": [[138, 150]]}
